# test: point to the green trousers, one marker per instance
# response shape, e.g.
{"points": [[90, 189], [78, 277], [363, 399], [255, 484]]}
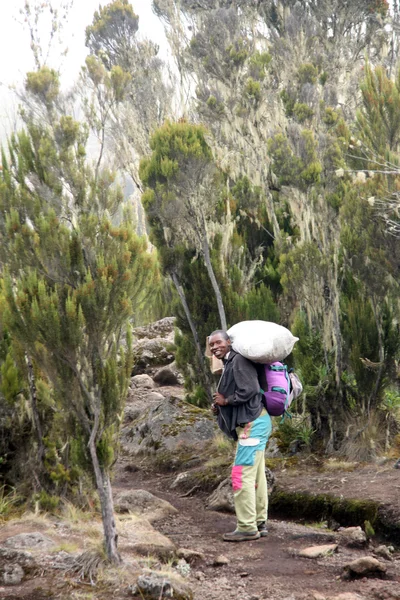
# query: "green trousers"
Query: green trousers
{"points": [[249, 482]]}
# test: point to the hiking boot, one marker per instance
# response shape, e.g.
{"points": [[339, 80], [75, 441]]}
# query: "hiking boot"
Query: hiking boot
{"points": [[262, 529], [241, 536]]}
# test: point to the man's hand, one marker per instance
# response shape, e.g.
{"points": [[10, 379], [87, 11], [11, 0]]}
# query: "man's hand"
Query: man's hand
{"points": [[220, 400], [214, 409]]}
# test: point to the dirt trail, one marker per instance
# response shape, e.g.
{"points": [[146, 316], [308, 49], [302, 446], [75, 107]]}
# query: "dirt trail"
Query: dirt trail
{"points": [[268, 568]]}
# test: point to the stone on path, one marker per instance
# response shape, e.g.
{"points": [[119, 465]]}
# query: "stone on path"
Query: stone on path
{"points": [[351, 536], [155, 586], [384, 552], [168, 375], [12, 574], [346, 596], [365, 566], [137, 536], [220, 561], [318, 551], [191, 556], [142, 502], [142, 381], [29, 540]]}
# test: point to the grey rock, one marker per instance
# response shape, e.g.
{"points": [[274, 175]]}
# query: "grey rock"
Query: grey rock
{"points": [[12, 574], [168, 426], [142, 502], [164, 328], [190, 556], [346, 596], [220, 561], [155, 397], [318, 551], [22, 557], [168, 376], [179, 480], [272, 449], [29, 540], [366, 566], [154, 586], [351, 536], [142, 381], [151, 353], [383, 552]]}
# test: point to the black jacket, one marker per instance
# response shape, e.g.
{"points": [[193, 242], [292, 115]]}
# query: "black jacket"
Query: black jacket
{"points": [[239, 384]]}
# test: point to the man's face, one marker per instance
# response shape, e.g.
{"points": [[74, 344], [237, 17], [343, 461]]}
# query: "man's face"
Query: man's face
{"points": [[219, 346]]}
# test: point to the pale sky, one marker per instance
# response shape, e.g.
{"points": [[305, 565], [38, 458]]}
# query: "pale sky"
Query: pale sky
{"points": [[16, 56]]}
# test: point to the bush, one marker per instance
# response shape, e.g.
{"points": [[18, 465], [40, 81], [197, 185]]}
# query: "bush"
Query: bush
{"points": [[302, 112], [253, 89], [307, 73]]}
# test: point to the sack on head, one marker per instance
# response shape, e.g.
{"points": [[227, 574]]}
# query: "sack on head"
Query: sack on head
{"points": [[262, 341]]}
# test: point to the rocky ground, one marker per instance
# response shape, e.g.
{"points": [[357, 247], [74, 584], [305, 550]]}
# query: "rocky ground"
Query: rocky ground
{"points": [[170, 535]]}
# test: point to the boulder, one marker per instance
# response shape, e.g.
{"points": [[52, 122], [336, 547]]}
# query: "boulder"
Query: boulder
{"points": [[366, 566], [137, 536], [29, 540], [222, 497], [155, 586], [164, 328], [383, 552], [151, 353], [346, 596], [168, 376], [142, 502], [190, 556], [22, 557], [12, 574], [154, 397], [168, 427], [318, 551], [142, 381], [221, 561], [351, 536]]}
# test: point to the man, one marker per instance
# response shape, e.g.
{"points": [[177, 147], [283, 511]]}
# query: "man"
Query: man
{"points": [[242, 416]]}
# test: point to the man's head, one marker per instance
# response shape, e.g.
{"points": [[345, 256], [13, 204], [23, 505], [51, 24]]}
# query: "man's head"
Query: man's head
{"points": [[219, 343]]}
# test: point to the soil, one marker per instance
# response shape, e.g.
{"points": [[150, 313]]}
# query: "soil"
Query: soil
{"points": [[268, 568]]}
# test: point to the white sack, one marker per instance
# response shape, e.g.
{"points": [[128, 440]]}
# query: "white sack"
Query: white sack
{"points": [[262, 341]]}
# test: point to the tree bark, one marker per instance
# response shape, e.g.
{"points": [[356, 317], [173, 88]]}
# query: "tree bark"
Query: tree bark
{"points": [[193, 329], [35, 412], [103, 485], [374, 392], [214, 283]]}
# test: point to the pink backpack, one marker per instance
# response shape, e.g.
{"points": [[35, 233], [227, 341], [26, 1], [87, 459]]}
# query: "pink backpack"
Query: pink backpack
{"points": [[282, 388]]}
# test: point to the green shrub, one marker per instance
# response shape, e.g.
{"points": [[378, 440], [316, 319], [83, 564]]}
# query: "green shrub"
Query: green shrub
{"points": [[302, 112], [258, 64], [330, 116], [253, 89], [323, 78], [307, 73], [288, 102]]}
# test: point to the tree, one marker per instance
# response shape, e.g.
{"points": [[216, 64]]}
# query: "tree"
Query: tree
{"points": [[183, 191], [112, 41], [74, 274]]}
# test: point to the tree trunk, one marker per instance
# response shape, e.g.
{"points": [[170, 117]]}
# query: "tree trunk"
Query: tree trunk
{"points": [[35, 412], [214, 283], [200, 355], [107, 506], [374, 393]]}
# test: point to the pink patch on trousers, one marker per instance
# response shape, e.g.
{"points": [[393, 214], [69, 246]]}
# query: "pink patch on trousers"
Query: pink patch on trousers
{"points": [[237, 478]]}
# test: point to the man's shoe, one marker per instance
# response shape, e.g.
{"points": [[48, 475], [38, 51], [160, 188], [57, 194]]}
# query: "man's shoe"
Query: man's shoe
{"points": [[241, 536], [262, 529]]}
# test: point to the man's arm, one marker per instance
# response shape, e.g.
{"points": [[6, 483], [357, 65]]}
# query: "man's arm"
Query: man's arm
{"points": [[246, 380]]}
